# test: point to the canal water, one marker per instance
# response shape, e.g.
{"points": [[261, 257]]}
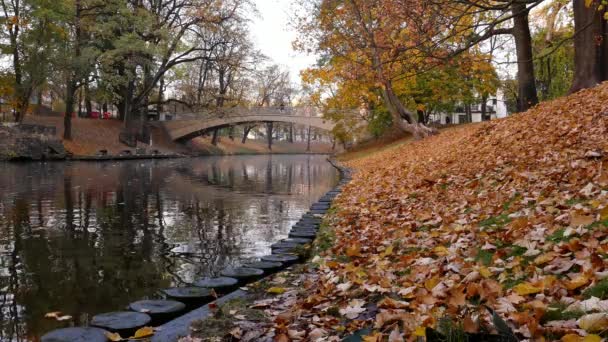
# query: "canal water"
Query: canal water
{"points": [[85, 238]]}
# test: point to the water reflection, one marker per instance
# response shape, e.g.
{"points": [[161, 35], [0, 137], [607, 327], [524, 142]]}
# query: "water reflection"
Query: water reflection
{"points": [[85, 238]]}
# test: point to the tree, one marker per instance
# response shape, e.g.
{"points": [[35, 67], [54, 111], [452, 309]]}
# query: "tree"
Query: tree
{"points": [[28, 32], [590, 44]]}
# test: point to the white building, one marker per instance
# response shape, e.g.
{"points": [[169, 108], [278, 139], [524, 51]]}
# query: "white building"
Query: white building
{"points": [[496, 108]]}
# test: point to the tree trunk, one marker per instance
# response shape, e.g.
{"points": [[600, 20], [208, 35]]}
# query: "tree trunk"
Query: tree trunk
{"points": [[399, 112], [269, 126], [231, 133], [525, 62], [590, 46], [484, 107], [215, 138], [161, 95], [246, 131], [308, 142], [87, 100], [69, 108], [290, 139]]}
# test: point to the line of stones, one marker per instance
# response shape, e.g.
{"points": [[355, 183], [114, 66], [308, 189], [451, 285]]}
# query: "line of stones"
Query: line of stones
{"points": [[182, 299]]}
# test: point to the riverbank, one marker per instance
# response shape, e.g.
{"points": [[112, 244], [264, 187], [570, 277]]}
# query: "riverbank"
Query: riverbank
{"points": [[497, 228]]}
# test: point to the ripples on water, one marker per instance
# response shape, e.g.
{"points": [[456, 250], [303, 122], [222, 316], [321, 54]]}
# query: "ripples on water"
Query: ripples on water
{"points": [[85, 238]]}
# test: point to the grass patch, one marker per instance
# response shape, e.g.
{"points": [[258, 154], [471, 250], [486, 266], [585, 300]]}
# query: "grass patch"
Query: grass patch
{"points": [[496, 221], [557, 312], [599, 290], [558, 236], [485, 257]]}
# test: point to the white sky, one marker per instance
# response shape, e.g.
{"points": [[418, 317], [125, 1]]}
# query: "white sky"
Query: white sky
{"points": [[273, 35]]}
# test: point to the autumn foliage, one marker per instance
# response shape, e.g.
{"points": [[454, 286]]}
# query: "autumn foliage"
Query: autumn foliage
{"points": [[508, 216]]}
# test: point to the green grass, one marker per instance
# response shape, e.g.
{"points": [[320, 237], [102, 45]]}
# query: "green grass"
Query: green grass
{"points": [[496, 221], [599, 290], [557, 312], [485, 257]]}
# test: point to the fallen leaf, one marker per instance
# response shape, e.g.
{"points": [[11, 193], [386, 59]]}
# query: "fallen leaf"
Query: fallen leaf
{"points": [[276, 290], [526, 289], [143, 332], [114, 337], [577, 282], [593, 322]]}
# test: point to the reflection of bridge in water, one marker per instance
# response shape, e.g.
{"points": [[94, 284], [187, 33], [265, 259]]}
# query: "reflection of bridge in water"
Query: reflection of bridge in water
{"points": [[189, 125]]}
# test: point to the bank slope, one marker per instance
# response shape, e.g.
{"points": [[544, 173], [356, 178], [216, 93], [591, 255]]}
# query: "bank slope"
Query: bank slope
{"points": [[509, 215]]}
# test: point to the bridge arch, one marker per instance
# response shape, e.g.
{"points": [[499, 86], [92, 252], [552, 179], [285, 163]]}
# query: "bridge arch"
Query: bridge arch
{"points": [[190, 126]]}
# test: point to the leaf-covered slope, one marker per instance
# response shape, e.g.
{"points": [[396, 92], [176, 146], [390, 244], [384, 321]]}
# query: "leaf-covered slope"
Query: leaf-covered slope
{"points": [[511, 214]]}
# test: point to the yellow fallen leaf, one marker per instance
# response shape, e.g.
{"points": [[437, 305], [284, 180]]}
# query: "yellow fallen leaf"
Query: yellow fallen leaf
{"points": [[577, 282], [440, 251], [485, 272], [572, 338], [388, 251], [143, 332], [604, 212], [592, 338], [431, 283], [526, 289], [420, 331], [114, 337], [593, 322], [276, 290], [545, 258]]}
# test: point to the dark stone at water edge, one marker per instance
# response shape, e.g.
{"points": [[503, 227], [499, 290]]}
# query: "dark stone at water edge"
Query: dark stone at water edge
{"points": [[286, 245], [302, 234], [189, 294], [220, 284], [242, 273], [309, 226], [266, 266], [289, 251], [85, 334], [284, 258], [160, 310], [297, 240], [320, 206], [123, 322]]}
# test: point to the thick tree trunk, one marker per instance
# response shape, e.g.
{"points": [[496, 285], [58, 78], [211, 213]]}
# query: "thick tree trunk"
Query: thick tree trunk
{"points": [[590, 46], [399, 113], [269, 126], [525, 62], [69, 109]]}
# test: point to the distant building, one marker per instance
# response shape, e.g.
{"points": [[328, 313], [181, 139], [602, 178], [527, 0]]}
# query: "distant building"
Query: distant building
{"points": [[496, 108]]}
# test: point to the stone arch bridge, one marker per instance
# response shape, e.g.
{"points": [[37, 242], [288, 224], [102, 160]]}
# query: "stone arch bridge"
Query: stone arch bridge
{"points": [[190, 125]]}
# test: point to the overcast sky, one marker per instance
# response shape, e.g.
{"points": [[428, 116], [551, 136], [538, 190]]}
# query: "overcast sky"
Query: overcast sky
{"points": [[272, 34]]}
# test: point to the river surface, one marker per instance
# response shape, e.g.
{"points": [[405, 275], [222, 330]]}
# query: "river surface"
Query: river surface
{"points": [[85, 238]]}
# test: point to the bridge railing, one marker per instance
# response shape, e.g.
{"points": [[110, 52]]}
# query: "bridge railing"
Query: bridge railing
{"points": [[246, 111]]}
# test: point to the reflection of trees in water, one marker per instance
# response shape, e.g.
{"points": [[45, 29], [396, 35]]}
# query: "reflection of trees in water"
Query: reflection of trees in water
{"points": [[86, 238]]}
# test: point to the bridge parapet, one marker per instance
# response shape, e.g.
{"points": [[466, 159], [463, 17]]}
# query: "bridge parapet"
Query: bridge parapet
{"points": [[228, 112]]}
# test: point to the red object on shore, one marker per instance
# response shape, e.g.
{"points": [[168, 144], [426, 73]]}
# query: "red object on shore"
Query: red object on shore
{"points": [[107, 115], [95, 115]]}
